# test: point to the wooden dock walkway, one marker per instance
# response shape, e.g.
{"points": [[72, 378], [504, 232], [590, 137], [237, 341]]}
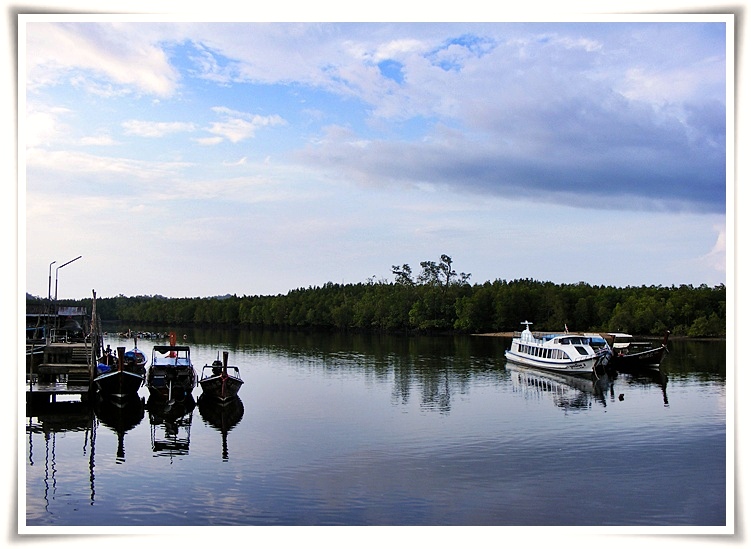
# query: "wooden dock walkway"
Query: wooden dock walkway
{"points": [[49, 391], [61, 369]]}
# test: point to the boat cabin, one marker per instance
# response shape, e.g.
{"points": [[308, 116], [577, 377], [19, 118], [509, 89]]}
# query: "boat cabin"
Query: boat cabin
{"points": [[171, 355]]}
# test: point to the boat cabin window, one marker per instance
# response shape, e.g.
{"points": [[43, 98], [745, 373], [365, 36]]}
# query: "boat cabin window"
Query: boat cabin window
{"points": [[573, 341]]}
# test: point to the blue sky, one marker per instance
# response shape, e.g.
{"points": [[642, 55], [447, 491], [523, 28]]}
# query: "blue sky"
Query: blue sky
{"points": [[196, 159]]}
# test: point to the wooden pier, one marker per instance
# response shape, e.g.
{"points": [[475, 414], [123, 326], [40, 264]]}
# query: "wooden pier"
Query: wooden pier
{"points": [[59, 369], [61, 354]]}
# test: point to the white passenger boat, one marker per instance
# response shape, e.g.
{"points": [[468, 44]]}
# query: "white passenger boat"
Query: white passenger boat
{"points": [[565, 353]]}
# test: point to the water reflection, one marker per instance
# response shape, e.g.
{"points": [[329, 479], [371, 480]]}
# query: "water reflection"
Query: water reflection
{"points": [[568, 392], [55, 418], [221, 416], [170, 426], [432, 369], [649, 376], [392, 430], [120, 416]]}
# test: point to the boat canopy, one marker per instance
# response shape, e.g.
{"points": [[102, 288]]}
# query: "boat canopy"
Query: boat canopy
{"points": [[170, 348]]}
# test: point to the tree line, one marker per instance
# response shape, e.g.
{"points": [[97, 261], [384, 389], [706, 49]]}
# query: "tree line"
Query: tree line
{"points": [[438, 299]]}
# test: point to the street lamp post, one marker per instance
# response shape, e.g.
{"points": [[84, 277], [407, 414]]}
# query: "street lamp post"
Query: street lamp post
{"points": [[57, 269], [49, 283]]}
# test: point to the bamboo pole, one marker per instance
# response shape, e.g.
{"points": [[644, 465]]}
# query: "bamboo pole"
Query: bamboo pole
{"points": [[94, 336]]}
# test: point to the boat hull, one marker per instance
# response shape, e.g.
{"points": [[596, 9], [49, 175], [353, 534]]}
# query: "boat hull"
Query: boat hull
{"points": [[171, 383], [119, 384], [581, 367], [651, 358], [221, 388]]}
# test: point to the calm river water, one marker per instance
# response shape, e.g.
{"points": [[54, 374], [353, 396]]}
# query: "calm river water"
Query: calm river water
{"points": [[382, 430]]}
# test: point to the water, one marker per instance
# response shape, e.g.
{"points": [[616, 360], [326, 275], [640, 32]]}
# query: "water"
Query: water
{"points": [[381, 430]]}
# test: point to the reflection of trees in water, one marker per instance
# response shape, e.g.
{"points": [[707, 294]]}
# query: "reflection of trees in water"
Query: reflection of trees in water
{"points": [[433, 367], [436, 382], [436, 379], [436, 392], [699, 359]]}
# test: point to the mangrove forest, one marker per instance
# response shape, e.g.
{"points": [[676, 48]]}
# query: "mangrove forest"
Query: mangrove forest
{"points": [[436, 300]]}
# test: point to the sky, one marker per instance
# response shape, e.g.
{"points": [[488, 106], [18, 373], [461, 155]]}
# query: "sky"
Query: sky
{"points": [[189, 158]]}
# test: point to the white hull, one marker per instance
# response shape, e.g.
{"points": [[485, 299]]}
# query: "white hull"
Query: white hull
{"points": [[585, 366]]}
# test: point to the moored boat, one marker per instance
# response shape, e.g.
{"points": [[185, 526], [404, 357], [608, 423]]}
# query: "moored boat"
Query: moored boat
{"points": [[136, 358], [630, 355], [566, 353], [219, 381], [171, 376], [117, 377]]}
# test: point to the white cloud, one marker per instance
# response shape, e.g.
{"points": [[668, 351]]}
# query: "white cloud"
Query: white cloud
{"points": [[241, 162], [398, 49], [88, 53], [237, 126], [716, 258], [105, 167], [209, 140], [156, 129], [42, 125], [98, 140]]}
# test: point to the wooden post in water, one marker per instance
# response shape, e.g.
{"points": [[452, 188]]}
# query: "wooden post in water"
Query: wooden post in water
{"points": [[225, 354], [94, 337], [120, 358]]}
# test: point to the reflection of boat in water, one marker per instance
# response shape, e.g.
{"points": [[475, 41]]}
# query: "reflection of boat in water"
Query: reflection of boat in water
{"points": [[170, 425], [221, 416], [219, 381], [565, 353], [629, 355], [649, 376], [567, 391], [121, 416]]}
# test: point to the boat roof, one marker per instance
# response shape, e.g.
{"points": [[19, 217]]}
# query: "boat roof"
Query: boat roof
{"points": [[167, 348], [618, 334]]}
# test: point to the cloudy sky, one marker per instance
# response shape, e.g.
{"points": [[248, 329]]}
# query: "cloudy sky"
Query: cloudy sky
{"points": [[196, 159]]}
